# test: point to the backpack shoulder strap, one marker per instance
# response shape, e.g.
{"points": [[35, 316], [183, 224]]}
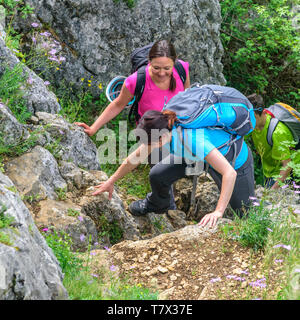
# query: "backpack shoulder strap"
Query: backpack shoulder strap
{"points": [[138, 92], [272, 126], [181, 71]]}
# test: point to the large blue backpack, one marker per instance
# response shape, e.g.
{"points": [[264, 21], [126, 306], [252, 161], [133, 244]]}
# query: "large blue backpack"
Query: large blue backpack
{"points": [[213, 106], [217, 107]]}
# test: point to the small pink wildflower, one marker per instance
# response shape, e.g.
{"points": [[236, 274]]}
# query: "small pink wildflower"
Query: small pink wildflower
{"points": [[297, 211], [295, 185], [113, 268], [34, 24], [252, 198], [45, 229], [260, 283], [80, 218], [45, 34], [30, 80], [94, 275], [287, 247]]}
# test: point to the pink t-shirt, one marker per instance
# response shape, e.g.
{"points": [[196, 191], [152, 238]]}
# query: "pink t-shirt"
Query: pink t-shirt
{"points": [[154, 98]]}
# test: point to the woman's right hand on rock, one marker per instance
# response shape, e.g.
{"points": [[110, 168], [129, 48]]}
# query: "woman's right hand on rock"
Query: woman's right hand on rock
{"points": [[87, 129]]}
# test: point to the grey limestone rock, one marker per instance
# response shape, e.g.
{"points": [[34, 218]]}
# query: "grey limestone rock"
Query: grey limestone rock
{"points": [[28, 268], [36, 174], [36, 95], [99, 35]]}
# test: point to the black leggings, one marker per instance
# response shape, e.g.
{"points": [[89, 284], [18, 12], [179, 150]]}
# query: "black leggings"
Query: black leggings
{"points": [[165, 173]]}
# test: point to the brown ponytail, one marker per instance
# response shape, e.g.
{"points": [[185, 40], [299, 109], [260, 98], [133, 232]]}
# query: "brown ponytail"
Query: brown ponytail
{"points": [[171, 118]]}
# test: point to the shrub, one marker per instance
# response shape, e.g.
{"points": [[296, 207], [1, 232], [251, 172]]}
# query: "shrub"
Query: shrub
{"points": [[261, 48]]}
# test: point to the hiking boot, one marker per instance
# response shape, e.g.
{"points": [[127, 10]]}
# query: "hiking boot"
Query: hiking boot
{"points": [[139, 208]]}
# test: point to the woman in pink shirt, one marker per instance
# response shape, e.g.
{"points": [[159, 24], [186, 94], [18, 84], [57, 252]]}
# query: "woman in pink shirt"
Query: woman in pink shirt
{"points": [[162, 83]]}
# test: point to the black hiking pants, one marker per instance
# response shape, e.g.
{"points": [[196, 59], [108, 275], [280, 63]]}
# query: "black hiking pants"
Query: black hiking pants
{"points": [[166, 172]]}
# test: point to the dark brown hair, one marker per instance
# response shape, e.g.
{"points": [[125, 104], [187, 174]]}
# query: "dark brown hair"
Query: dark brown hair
{"points": [[164, 48], [154, 119], [258, 103]]}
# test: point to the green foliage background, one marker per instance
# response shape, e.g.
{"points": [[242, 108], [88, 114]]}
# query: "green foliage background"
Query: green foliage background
{"points": [[261, 48]]}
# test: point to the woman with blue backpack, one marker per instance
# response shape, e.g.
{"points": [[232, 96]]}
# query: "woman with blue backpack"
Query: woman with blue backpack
{"points": [[229, 160]]}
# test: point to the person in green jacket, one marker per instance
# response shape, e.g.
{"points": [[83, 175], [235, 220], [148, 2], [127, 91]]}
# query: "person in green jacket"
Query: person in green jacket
{"points": [[274, 159]]}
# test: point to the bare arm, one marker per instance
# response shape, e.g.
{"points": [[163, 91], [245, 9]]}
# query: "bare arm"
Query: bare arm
{"points": [[221, 165], [187, 83], [110, 112], [130, 163]]}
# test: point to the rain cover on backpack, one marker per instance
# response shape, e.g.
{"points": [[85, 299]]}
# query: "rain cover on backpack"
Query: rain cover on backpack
{"points": [[213, 106]]}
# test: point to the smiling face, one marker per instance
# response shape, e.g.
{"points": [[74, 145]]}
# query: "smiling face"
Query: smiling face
{"points": [[161, 68]]}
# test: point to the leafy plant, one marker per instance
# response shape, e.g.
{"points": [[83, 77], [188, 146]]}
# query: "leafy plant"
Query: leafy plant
{"points": [[61, 193], [11, 93], [261, 49], [5, 221], [61, 244], [252, 229], [110, 229]]}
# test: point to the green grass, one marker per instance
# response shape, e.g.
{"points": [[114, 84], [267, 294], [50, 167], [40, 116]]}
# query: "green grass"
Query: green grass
{"points": [[82, 283], [279, 241], [11, 93]]}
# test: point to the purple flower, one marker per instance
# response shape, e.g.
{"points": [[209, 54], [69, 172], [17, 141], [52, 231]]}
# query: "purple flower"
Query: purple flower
{"points": [[239, 279], [245, 272], [82, 237], [255, 203], [260, 283], [45, 45], [297, 192], [278, 260], [34, 24], [61, 59], [287, 247], [285, 186], [252, 198], [45, 229], [297, 270], [112, 268], [45, 34], [80, 218], [269, 229], [33, 40], [53, 58], [94, 275], [93, 253], [215, 280], [295, 186], [46, 83], [106, 248], [30, 80], [235, 277], [52, 51], [297, 211]]}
